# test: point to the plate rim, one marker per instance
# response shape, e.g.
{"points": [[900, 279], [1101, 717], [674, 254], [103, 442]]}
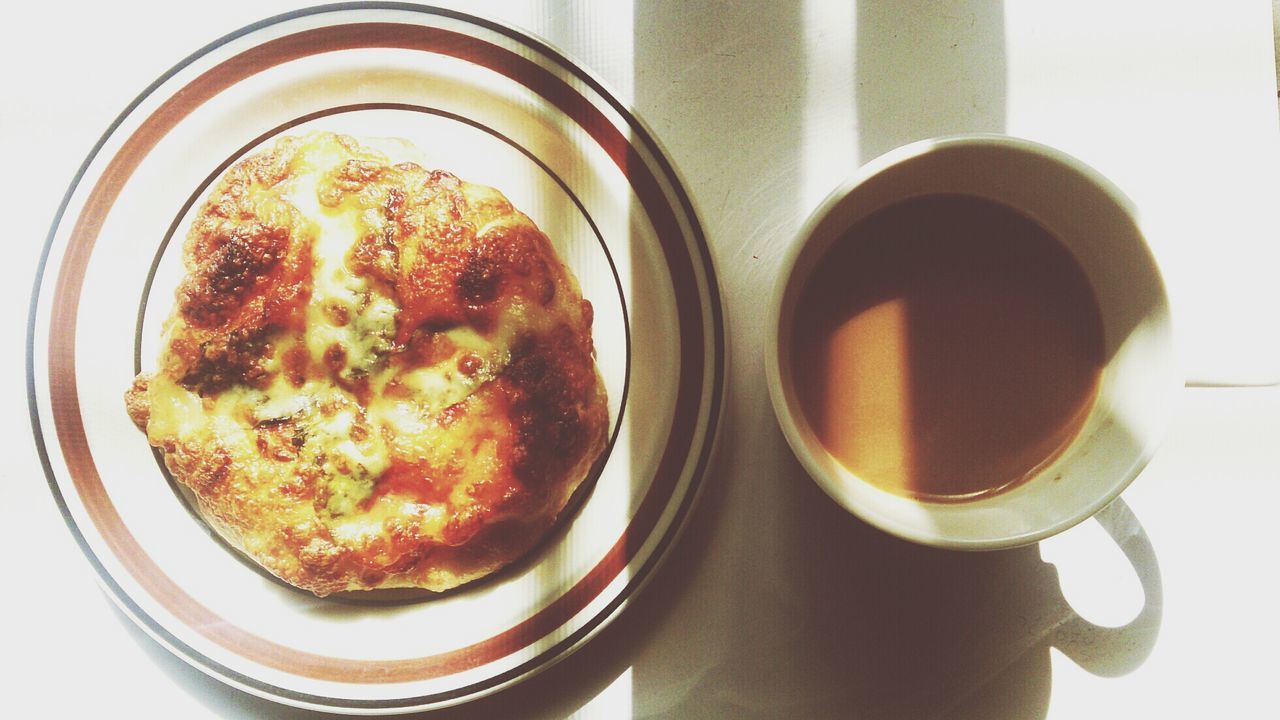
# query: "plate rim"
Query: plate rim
{"points": [[715, 366]]}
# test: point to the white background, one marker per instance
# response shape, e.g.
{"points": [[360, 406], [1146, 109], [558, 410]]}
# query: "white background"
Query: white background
{"points": [[776, 604]]}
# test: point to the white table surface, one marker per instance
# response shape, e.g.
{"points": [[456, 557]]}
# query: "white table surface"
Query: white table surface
{"points": [[775, 603]]}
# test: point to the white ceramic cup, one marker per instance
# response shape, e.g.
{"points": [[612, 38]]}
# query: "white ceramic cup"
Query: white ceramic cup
{"points": [[1099, 226]]}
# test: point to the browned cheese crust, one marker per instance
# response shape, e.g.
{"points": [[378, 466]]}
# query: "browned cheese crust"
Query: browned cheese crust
{"points": [[375, 375]]}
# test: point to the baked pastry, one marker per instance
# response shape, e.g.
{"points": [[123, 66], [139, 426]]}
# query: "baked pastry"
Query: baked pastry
{"points": [[375, 375]]}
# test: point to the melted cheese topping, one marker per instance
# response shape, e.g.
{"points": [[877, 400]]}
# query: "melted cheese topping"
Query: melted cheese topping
{"points": [[369, 364]]}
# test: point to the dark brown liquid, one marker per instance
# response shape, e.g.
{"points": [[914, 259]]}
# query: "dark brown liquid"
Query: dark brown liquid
{"points": [[946, 348]]}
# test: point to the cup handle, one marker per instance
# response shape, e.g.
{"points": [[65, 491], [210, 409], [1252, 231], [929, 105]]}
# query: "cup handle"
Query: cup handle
{"points": [[1107, 651]]}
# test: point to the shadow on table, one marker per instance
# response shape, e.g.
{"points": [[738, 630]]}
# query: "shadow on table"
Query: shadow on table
{"points": [[881, 628], [925, 69], [909, 631]]}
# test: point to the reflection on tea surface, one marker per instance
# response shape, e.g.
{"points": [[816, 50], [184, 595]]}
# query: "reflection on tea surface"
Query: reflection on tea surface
{"points": [[946, 348]]}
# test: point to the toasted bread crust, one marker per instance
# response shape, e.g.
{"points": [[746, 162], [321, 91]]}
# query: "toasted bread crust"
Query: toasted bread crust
{"points": [[374, 375]]}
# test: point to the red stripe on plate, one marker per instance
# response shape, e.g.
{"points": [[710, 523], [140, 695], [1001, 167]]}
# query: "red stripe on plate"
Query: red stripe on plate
{"points": [[66, 301]]}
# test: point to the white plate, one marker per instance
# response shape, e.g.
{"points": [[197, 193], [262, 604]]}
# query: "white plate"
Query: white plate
{"points": [[493, 106]]}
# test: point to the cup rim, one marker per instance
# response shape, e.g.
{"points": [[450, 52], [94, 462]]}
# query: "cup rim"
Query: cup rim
{"points": [[781, 403]]}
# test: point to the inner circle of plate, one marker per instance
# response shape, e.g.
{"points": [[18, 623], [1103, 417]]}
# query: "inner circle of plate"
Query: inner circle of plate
{"points": [[494, 106]]}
